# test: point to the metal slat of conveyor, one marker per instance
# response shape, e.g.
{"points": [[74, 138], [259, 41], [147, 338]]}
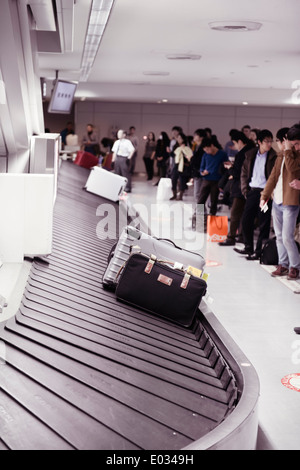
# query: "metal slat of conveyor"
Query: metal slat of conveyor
{"points": [[89, 372]]}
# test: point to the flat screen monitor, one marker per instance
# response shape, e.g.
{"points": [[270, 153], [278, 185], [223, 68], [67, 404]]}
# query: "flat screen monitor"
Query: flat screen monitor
{"points": [[62, 97]]}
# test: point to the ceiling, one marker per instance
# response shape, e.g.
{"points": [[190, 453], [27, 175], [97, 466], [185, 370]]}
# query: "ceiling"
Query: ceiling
{"points": [[260, 67]]}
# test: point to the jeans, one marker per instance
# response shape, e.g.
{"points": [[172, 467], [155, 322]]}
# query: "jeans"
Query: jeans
{"points": [[284, 221]]}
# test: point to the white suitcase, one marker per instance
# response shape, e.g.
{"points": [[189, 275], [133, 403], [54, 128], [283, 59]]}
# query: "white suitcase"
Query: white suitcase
{"points": [[105, 183]]}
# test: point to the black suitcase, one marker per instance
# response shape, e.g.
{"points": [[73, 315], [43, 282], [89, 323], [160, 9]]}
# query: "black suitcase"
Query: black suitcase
{"points": [[160, 289]]}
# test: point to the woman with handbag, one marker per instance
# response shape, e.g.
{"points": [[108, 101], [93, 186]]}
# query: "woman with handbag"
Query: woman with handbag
{"points": [[182, 169]]}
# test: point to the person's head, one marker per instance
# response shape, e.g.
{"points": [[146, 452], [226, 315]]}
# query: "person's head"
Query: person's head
{"points": [[121, 134], [231, 132], [281, 135], [239, 139], [164, 137], [131, 130], [293, 135], [90, 127], [151, 136], [209, 146], [199, 135], [254, 134], [175, 131], [181, 139], [208, 131], [265, 140], [246, 129]]}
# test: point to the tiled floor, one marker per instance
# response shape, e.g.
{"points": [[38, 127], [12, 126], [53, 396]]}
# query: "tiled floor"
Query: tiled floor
{"points": [[258, 311]]}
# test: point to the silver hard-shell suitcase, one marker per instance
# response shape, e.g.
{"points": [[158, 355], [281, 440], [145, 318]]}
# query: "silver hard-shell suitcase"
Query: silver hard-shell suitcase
{"points": [[132, 239]]}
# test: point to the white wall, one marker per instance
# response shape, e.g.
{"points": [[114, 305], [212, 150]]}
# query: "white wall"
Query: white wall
{"points": [[162, 117]]}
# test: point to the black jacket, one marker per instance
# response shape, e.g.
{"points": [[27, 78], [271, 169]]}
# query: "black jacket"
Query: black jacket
{"points": [[235, 171], [196, 162], [248, 165]]}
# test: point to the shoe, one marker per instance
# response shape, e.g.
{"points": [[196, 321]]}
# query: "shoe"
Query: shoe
{"points": [[293, 274], [279, 271], [173, 198], [253, 257], [180, 195], [227, 242], [242, 251], [297, 330]]}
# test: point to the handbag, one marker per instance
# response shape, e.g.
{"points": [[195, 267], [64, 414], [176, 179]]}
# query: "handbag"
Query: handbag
{"points": [[269, 253], [217, 228], [161, 287]]}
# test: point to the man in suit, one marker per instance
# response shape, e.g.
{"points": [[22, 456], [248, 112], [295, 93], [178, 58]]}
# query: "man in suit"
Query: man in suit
{"points": [[256, 169]]}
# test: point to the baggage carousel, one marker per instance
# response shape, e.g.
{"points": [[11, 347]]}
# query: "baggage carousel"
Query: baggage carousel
{"points": [[84, 371]]}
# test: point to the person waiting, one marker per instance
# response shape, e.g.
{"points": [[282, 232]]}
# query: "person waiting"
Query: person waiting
{"points": [[256, 169], [90, 141], [149, 154], [211, 170], [285, 206], [181, 172], [122, 152], [242, 144]]}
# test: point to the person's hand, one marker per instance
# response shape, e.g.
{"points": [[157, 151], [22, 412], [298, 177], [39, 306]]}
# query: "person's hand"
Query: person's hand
{"points": [[295, 184], [287, 144], [204, 172], [262, 203]]}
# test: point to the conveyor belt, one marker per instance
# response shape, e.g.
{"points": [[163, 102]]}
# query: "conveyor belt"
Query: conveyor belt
{"points": [[84, 371]]}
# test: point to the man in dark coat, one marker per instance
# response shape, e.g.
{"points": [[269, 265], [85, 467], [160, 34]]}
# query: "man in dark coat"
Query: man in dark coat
{"points": [[242, 144], [256, 169]]}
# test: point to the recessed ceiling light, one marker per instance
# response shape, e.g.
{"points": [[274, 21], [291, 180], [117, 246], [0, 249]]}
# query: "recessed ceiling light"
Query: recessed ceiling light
{"points": [[164, 100], [245, 103], [183, 57], [235, 26], [154, 73]]}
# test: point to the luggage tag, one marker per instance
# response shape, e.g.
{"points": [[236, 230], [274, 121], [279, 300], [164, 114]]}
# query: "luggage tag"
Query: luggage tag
{"points": [[150, 264], [194, 271]]}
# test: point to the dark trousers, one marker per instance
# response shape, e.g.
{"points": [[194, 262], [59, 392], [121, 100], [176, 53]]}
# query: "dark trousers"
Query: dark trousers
{"points": [[209, 188], [180, 177], [149, 167], [251, 213], [236, 214]]}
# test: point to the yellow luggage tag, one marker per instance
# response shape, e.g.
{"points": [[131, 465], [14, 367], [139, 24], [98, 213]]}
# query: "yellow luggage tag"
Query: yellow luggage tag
{"points": [[194, 271], [205, 276]]}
